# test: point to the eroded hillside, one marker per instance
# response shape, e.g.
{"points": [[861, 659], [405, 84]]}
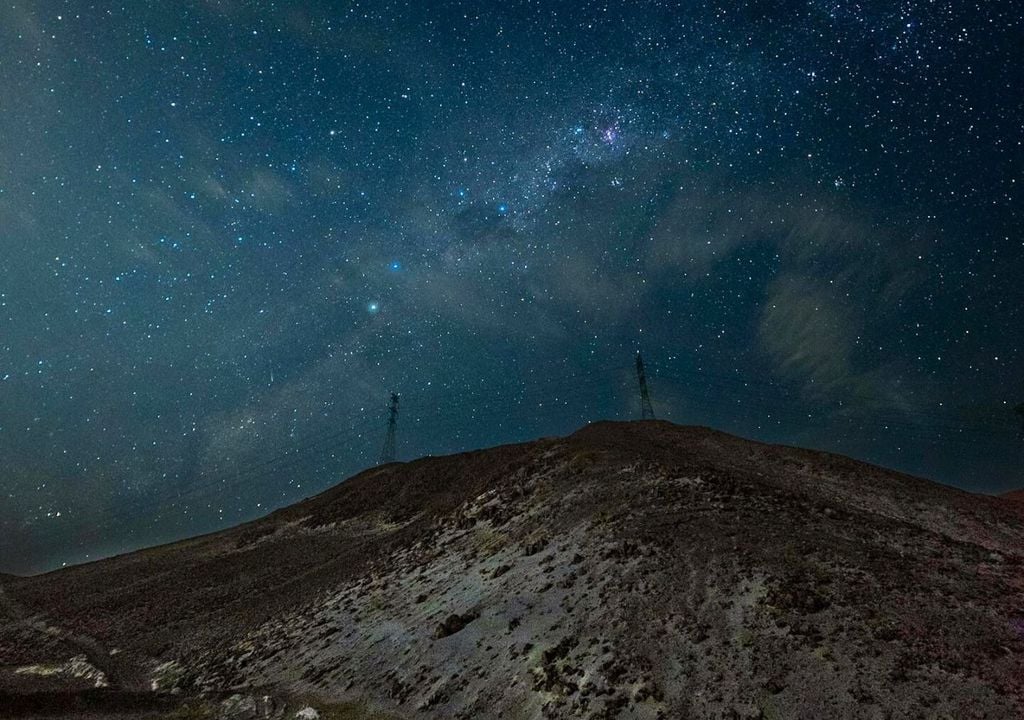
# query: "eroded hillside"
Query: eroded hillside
{"points": [[631, 570]]}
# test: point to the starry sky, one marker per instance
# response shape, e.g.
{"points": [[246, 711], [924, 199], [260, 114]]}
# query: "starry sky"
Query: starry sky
{"points": [[228, 230]]}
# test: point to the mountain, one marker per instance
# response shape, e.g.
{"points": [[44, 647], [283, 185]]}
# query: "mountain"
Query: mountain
{"points": [[1015, 495], [630, 570]]}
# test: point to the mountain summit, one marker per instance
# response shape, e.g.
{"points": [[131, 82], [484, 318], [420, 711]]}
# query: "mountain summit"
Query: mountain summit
{"points": [[630, 570]]}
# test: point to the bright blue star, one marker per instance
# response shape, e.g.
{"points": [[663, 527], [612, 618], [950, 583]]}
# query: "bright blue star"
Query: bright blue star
{"points": [[503, 209], [373, 308], [394, 266]]}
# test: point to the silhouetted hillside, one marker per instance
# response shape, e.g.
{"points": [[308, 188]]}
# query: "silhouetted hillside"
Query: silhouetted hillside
{"points": [[630, 570]]}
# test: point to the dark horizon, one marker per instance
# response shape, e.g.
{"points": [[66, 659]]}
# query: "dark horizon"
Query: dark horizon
{"points": [[372, 467]]}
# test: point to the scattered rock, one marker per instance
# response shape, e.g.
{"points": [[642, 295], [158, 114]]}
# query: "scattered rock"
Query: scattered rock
{"points": [[533, 547], [454, 623], [500, 570], [238, 707]]}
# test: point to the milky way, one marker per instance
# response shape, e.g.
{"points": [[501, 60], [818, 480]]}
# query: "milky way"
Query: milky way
{"points": [[228, 230]]}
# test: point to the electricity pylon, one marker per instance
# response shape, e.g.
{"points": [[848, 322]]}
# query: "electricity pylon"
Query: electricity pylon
{"points": [[387, 453], [646, 409]]}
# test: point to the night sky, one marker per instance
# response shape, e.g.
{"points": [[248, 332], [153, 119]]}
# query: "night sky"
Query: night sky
{"points": [[228, 230]]}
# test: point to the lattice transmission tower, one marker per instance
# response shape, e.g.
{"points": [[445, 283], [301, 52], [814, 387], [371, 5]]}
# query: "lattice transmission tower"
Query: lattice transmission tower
{"points": [[646, 409], [387, 453]]}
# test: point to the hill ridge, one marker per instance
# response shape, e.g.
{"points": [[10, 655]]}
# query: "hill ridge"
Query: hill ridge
{"points": [[633, 570]]}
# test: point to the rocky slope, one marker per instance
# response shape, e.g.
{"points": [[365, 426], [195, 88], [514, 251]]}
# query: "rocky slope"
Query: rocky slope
{"points": [[631, 570]]}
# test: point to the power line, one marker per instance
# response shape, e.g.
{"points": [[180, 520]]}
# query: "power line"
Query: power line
{"points": [[749, 388], [387, 453], [646, 409], [240, 478], [596, 389]]}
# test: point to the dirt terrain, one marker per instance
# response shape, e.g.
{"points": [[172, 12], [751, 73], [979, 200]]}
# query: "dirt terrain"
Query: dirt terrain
{"points": [[1015, 496], [630, 570]]}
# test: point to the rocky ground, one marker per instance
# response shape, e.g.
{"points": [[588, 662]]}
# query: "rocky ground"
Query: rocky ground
{"points": [[631, 570]]}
